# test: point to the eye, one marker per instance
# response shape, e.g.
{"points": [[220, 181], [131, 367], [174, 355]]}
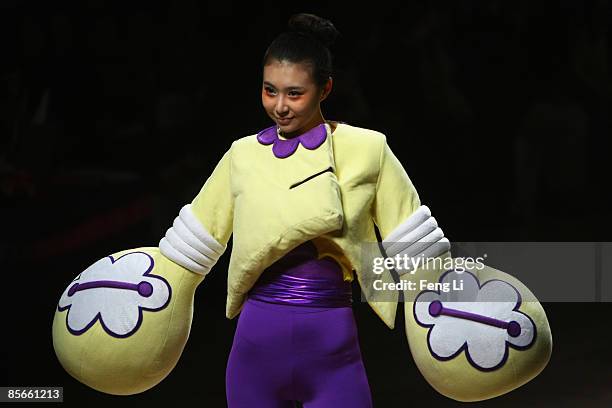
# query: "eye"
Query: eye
{"points": [[269, 90], [294, 93]]}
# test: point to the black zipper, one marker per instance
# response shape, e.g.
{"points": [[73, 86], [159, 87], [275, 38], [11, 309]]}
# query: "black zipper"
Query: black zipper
{"points": [[311, 177]]}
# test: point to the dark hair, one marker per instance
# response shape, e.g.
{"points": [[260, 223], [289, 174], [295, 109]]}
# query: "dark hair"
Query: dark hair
{"points": [[307, 40]]}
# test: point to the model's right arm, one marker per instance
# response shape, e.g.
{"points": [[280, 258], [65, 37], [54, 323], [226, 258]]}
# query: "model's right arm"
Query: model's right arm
{"points": [[199, 235]]}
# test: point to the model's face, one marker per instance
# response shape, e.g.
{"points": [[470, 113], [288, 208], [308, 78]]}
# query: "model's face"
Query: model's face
{"points": [[291, 97]]}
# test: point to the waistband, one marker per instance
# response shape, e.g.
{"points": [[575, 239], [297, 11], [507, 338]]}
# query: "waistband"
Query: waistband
{"points": [[300, 279]]}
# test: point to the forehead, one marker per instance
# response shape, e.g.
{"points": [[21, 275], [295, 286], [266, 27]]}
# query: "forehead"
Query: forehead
{"points": [[285, 73]]}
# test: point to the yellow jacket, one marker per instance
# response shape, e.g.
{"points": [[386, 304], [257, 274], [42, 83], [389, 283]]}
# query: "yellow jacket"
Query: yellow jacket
{"points": [[272, 205]]}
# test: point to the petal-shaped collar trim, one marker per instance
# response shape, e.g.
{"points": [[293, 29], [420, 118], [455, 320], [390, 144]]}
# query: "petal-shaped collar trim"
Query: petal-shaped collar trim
{"points": [[286, 147]]}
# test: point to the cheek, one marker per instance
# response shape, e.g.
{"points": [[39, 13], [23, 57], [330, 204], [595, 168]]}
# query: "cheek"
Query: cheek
{"points": [[306, 105], [302, 104], [266, 101]]}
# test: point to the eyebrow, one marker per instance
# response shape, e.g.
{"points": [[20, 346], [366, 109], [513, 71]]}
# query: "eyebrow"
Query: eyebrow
{"points": [[289, 88]]}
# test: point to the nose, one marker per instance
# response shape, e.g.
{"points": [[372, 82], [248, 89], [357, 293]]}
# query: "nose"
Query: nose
{"points": [[281, 108]]}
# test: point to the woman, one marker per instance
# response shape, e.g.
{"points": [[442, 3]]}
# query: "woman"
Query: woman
{"points": [[296, 338], [301, 199]]}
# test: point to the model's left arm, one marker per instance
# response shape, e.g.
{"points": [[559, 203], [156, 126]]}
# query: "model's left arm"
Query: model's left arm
{"points": [[477, 326], [396, 198], [405, 225]]}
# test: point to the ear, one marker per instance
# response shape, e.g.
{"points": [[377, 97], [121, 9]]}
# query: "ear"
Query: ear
{"points": [[326, 89]]}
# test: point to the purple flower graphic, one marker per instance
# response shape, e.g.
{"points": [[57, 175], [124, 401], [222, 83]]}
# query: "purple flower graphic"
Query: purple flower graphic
{"points": [[115, 292], [484, 321]]}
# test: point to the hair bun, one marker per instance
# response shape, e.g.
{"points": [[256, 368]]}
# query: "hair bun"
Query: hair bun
{"points": [[321, 29]]}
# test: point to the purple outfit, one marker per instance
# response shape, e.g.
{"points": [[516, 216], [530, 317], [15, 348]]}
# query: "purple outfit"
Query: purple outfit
{"points": [[297, 340]]}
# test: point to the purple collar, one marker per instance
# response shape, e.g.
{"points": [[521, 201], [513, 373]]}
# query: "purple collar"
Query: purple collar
{"points": [[285, 148]]}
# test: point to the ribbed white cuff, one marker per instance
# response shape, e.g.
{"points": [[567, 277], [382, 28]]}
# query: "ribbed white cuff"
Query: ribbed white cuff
{"points": [[418, 235], [189, 244]]}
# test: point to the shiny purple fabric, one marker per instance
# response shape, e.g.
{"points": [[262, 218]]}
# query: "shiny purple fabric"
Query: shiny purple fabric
{"points": [[300, 279]]}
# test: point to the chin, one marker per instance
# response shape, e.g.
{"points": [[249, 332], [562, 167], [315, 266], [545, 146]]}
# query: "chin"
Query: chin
{"points": [[287, 128]]}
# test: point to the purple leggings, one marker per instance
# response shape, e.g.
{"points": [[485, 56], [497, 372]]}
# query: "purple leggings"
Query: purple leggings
{"points": [[286, 353]]}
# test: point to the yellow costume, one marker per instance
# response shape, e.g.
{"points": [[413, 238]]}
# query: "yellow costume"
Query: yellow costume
{"points": [[333, 195]]}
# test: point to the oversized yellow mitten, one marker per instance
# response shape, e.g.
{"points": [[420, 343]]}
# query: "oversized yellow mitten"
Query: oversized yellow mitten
{"points": [[474, 332], [121, 325]]}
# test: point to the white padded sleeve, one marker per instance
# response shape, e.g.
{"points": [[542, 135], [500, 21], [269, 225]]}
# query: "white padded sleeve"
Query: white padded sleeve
{"points": [[417, 218], [189, 244], [403, 242], [418, 235]]}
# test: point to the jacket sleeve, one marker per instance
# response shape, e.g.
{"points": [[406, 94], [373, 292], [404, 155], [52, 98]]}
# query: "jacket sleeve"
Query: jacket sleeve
{"points": [[396, 198], [199, 234], [214, 204]]}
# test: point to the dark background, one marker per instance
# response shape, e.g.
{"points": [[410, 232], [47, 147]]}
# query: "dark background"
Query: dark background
{"points": [[113, 114]]}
